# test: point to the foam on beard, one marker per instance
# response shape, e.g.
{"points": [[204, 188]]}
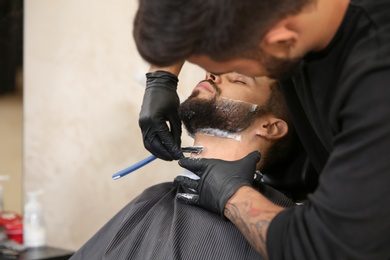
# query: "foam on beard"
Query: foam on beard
{"points": [[219, 133], [226, 106]]}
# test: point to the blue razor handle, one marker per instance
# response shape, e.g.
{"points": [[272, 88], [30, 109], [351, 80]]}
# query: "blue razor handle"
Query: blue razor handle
{"points": [[151, 158]]}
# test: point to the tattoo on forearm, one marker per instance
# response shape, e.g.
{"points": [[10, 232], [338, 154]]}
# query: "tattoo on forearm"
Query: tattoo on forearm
{"points": [[252, 223]]}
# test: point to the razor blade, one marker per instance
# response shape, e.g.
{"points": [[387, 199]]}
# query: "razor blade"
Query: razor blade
{"points": [[192, 149]]}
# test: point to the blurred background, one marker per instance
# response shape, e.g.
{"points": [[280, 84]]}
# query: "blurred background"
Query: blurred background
{"points": [[71, 84], [11, 102]]}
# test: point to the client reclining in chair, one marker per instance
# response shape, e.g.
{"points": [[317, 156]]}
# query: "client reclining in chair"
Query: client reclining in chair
{"points": [[230, 115]]}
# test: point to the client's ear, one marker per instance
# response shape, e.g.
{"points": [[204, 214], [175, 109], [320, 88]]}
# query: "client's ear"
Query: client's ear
{"points": [[272, 128]]}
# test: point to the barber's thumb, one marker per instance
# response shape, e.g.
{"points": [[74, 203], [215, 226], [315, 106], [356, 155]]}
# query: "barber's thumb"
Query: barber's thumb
{"points": [[194, 165], [253, 157]]}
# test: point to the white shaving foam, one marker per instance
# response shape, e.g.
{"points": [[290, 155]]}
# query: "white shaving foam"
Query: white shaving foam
{"points": [[219, 133], [253, 106]]}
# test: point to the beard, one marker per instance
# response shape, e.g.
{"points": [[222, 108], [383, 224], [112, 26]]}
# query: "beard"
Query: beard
{"points": [[279, 68], [218, 113]]}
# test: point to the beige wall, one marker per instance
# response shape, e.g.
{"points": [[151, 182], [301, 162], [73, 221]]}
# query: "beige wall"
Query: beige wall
{"points": [[11, 114], [82, 95]]}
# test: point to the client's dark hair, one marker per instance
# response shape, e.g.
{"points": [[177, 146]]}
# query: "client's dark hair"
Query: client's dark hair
{"points": [[284, 150], [169, 31]]}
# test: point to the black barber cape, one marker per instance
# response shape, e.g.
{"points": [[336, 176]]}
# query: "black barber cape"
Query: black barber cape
{"points": [[157, 226]]}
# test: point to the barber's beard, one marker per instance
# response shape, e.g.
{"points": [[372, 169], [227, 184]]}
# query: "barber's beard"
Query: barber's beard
{"points": [[218, 114], [279, 68]]}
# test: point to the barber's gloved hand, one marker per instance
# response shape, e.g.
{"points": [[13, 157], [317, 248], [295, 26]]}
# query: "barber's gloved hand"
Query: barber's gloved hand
{"points": [[219, 180], [190, 195], [160, 105]]}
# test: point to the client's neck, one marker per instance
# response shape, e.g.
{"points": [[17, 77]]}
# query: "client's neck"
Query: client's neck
{"points": [[225, 148]]}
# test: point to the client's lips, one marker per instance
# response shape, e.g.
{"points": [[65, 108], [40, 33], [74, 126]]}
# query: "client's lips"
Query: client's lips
{"points": [[205, 85]]}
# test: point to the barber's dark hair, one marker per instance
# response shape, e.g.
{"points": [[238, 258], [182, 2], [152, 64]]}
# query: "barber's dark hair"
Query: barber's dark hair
{"points": [[169, 31], [284, 150]]}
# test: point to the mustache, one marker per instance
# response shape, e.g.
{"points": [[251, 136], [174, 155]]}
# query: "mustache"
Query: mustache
{"points": [[217, 90], [215, 87]]}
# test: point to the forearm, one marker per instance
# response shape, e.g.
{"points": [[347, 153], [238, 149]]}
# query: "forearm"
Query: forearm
{"points": [[252, 213], [174, 69]]}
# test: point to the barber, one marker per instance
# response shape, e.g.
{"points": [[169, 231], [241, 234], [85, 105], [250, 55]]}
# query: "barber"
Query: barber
{"points": [[333, 61]]}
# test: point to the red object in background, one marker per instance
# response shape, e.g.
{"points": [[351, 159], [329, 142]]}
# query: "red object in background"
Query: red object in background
{"points": [[13, 225]]}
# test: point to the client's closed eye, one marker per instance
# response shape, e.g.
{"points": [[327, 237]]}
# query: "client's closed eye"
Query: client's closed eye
{"points": [[240, 82]]}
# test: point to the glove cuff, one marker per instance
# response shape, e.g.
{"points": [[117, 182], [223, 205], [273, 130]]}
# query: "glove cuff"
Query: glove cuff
{"points": [[161, 78]]}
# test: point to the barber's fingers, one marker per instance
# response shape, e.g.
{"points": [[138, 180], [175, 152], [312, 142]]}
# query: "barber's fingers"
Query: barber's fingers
{"points": [[190, 184], [188, 198], [186, 182], [195, 165], [170, 138], [153, 144], [175, 126], [160, 141]]}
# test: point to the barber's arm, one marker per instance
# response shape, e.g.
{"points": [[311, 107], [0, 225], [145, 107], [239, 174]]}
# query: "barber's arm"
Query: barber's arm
{"points": [[252, 213], [159, 106], [225, 188]]}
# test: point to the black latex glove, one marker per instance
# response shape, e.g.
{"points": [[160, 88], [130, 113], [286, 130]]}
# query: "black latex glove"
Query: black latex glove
{"points": [[160, 105], [219, 180]]}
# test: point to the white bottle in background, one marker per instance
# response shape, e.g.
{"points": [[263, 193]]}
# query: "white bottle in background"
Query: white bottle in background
{"points": [[34, 234]]}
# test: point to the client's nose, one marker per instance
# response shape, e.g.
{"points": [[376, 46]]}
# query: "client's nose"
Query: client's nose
{"points": [[215, 78]]}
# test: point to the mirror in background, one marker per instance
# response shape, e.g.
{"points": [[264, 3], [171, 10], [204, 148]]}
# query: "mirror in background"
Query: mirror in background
{"points": [[11, 104]]}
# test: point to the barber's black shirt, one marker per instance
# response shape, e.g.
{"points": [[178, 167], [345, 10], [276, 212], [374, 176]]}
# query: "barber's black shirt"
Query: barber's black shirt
{"points": [[344, 92]]}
